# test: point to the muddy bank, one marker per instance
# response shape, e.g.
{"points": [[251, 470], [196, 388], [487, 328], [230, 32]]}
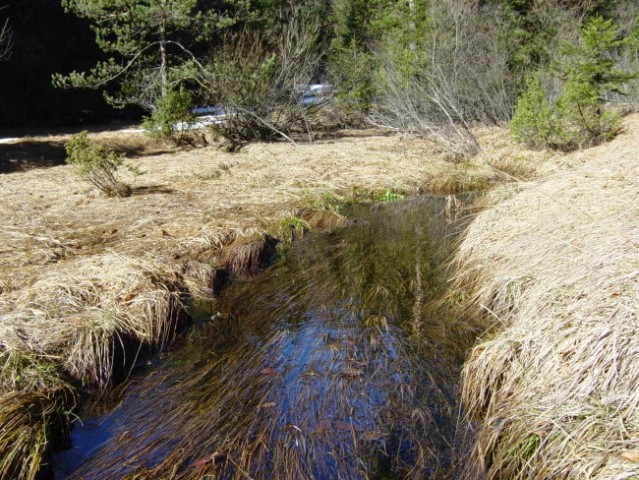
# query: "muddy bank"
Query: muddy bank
{"points": [[554, 270]]}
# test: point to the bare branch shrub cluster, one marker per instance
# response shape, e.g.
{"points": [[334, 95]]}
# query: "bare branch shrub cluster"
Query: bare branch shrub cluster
{"points": [[258, 78], [6, 39], [454, 76]]}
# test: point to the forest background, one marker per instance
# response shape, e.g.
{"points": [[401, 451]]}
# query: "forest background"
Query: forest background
{"points": [[428, 68]]}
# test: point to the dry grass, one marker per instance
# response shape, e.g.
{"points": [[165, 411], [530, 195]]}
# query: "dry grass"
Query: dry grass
{"points": [[555, 270], [30, 422], [86, 279], [84, 314], [246, 255]]}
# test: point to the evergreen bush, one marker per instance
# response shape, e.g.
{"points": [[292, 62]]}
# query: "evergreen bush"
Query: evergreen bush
{"points": [[171, 116], [97, 164], [582, 116], [533, 121]]}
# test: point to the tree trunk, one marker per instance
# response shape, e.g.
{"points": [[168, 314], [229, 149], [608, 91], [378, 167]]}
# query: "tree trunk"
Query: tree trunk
{"points": [[163, 60]]}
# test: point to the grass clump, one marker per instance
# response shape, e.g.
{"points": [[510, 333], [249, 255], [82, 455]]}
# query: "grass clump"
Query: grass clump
{"points": [[97, 164], [28, 372], [291, 228], [35, 403], [552, 387], [246, 255], [460, 180], [321, 219], [29, 425], [92, 315], [514, 167]]}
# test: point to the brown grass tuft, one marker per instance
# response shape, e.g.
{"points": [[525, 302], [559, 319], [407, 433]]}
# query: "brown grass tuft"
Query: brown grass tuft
{"points": [[464, 178], [29, 421], [85, 315], [246, 255], [555, 271], [322, 219]]}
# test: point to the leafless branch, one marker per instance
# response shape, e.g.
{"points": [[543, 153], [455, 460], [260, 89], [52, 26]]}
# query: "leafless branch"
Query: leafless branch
{"points": [[6, 40]]}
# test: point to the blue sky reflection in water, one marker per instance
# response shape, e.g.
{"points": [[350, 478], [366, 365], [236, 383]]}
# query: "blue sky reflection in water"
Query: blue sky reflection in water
{"points": [[328, 365]]}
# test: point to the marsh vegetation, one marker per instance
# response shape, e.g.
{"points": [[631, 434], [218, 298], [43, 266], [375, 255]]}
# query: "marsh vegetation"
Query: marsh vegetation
{"points": [[327, 365]]}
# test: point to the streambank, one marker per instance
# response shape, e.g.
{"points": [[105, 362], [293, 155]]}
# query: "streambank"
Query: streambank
{"points": [[330, 364], [78, 270], [554, 271]]}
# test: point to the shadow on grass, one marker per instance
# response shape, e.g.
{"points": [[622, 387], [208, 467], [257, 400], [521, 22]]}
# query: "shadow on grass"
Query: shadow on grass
{"points": [[29, 154], [19, 157], [148, 189]]}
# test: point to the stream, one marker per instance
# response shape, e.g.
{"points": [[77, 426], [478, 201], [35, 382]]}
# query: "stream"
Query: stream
{"points": [[328, 365]]}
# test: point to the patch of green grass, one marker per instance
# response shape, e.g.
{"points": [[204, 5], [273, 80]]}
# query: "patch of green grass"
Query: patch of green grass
{"points": [[390, 195], [290, 228], [328, 201], [28, 372]]}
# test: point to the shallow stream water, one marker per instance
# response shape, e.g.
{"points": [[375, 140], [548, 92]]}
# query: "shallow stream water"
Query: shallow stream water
{"points": [[328, 365]]}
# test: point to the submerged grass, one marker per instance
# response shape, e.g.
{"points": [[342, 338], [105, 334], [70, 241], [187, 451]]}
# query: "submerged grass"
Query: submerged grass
{"points": [[554, 270], [86, 280], [306, 374]]}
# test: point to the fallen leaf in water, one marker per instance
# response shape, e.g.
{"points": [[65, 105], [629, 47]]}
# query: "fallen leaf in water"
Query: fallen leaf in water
{"points": [[348, 426], [203, 462], [269, 371], [370, 435], [214, 458], [324, 425], [268, 405], [631, 455]]}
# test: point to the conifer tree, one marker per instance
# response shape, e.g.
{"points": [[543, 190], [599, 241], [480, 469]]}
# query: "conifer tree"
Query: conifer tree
{"points": [[150, 43]]}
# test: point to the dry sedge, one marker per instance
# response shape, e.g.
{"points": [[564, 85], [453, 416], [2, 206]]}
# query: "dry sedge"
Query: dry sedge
{"points": [[554, 269], [29, 422], [85, 278], [246, 255], [84, 312]]}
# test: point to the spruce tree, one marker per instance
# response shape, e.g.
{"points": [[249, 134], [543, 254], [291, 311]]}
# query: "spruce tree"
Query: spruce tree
{"points": [[150, 43]]}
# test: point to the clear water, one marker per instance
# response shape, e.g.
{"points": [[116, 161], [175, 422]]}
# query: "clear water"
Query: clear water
{"points": [[328, 365]]}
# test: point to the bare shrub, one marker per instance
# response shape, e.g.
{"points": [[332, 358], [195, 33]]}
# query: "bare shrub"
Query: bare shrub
{"points": [[420, 94], [6, 42], [456, 76], [426, 105], [258, 78]]}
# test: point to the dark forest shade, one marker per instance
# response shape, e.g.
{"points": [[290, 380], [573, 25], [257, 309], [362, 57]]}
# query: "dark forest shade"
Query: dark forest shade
{"points": [[46, 40]]}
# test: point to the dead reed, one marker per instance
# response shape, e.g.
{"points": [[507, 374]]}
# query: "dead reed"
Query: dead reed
{"points": [[554, 271]]}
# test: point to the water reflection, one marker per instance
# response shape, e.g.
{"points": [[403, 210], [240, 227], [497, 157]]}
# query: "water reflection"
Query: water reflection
{"points": [[327, 366]]}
